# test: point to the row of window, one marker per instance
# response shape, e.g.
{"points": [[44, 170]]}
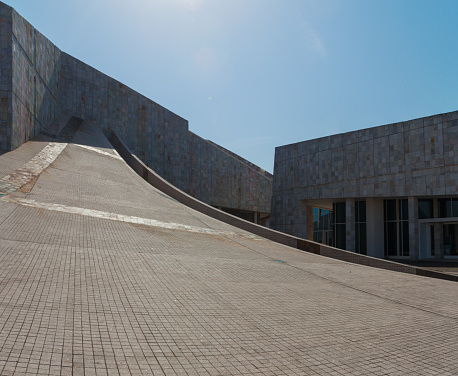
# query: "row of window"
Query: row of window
{"points": [[329, 227], [446, 208]]}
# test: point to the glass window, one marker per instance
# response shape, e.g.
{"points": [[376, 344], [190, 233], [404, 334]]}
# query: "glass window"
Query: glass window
{"points": [[445, 207], [322, 229], [425, 208], [390, 210], [361, 238], [404, 208], [454, 207], [433, 246], [340, 225], [360, 211], [340, 236], [396, 217], [405, 238], [391, 237], [340, 212]]}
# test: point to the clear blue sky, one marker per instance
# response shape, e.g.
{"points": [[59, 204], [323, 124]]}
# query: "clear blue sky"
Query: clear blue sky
{"points": [[251, 75]]}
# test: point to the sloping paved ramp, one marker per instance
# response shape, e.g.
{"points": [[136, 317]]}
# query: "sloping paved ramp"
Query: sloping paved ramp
{"points": [[101, 274]]}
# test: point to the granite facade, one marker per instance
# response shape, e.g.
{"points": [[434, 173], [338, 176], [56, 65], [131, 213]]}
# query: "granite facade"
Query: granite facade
{"points": [[35, 81], [417, 158], [6, 101], [223, 179], [156, 135], [38, 82]]}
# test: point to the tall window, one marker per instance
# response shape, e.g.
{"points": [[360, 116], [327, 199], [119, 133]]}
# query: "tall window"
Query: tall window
{"points": [[322, 226], [360, 227], [396, 218], [340, 215], [425, 208], [448, 207]]}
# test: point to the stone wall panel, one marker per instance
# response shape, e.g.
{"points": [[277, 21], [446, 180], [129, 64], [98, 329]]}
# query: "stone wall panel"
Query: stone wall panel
{"points": [[413, 158]]}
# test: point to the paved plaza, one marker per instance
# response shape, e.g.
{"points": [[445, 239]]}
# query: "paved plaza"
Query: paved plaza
{"points": [[102, 274]]}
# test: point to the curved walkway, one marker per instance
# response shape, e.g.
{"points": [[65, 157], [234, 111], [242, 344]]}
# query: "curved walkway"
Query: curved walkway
{"points": [[102, 274]]}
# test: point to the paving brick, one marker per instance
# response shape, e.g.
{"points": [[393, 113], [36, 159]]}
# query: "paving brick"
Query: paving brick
{"points": [[85, 290]]}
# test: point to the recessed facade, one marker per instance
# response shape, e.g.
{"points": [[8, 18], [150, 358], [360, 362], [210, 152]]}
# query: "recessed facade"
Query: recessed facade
{"points": [[388, 191]]}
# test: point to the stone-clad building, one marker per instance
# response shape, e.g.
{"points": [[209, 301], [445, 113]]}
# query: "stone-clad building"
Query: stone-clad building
{"points": [[38, 82], [389, 191]]}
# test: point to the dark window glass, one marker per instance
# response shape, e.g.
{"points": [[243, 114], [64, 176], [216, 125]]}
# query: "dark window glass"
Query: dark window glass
{"points": [[357, 238], [390, 210], [450, 240], [340, 212], [360, 211], [405, 238], [340, 236], [433, 247], [362, 239], [455, 207], [391, 239], [454, 242], [445, 207], [404, 207], [320, 237], [425, 208]]}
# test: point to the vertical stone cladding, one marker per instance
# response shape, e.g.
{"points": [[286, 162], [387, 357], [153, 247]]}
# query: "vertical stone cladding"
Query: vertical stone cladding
{"points": [[156, 135], [350, 224], [407, 159], [222, 178], [6, 101], [35, 81]]}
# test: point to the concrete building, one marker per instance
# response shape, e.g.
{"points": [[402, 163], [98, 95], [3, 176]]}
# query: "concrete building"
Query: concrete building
{"points": [[389, 191], [39, 82]]}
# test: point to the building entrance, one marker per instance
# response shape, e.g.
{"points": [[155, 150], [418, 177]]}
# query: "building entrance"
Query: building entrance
{"points": [[440, 244]]}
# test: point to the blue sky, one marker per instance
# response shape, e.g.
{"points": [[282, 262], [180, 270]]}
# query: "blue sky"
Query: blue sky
{"points": [[251, 75]]}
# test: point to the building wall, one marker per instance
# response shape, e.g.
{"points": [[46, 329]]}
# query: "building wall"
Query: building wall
{"points": [[6, 101], [35, 81], [413, 158], [156, 135], [38, 82], [220, 179]]}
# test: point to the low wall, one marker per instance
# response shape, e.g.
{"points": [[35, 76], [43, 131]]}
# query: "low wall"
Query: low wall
{"points": [[304, 245]]}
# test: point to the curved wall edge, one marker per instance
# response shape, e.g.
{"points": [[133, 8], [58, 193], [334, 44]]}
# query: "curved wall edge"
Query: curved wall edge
{"points": [[301, 244]]}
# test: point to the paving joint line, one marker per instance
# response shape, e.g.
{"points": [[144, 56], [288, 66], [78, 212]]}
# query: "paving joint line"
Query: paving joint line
{"points": [[121, 217]]}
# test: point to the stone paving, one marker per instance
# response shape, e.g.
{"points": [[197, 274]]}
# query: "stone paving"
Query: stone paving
{"points": [[101, 274]]}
